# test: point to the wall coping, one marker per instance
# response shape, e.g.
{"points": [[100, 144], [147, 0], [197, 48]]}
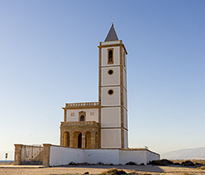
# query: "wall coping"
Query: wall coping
{"points": [[128, 149], [81, 105]]}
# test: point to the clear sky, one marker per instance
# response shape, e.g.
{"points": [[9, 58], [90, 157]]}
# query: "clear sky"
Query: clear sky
{"points": [[49, 56]]}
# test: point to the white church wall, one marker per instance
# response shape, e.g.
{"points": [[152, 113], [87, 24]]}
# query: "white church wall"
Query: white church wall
{"points": [[110, 138], [124, 57], [110, 117], [113, 79], [124, 78], [137, 156], [110, 100], [125, 97], [104, 155], [110, 42], [152, 156], [62, 155], [125, 139], [104, 57], [72, 115], [125, 118], [91, 114]]}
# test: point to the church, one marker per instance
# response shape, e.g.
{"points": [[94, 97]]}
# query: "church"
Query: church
{"points": [[101, 124], [94, 132]]}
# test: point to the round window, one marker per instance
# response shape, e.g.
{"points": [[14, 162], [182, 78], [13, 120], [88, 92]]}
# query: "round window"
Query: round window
{"points": [[110, 92], [110, 72]]}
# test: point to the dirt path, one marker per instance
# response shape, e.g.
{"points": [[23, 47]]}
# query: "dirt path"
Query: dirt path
{"points": [[148, 169]]}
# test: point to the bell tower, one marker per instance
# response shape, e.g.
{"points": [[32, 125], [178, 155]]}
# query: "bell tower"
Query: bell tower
{"points": [[113, 92]]}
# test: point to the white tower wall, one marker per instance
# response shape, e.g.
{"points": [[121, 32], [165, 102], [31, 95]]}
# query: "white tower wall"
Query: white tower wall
{"points": [[113, 106]]}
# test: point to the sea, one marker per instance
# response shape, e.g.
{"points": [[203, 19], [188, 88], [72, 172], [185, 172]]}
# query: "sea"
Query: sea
{"points": [[3, 161]]}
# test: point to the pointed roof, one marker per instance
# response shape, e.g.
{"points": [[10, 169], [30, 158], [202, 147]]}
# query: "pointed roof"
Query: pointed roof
{"points": [[111, 36]]}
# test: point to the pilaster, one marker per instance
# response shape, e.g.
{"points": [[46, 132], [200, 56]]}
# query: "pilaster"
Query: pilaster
{"points": [[65, 113], [71, 139], [46, 154], [17, 157], [83, 140], [92, 140]]}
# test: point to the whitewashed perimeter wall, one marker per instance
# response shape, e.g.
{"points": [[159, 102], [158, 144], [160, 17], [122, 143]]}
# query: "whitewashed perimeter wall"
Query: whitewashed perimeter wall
{"points": [[102, 155], [63, 156], [137, 156], [151, 156]]}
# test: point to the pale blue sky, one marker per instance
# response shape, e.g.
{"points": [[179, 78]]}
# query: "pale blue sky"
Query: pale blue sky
{"points": [[49, 56]]}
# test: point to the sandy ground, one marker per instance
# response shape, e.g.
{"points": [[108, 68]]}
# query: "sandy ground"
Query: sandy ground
{"points": [[148, 169]]}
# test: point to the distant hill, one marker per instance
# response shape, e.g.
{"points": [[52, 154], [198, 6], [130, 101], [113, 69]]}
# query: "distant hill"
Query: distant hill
{"points": [[192, 153]]}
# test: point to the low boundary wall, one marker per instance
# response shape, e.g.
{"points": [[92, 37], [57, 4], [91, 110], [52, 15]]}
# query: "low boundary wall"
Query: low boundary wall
{"points": [[54, 155], [28, 155], [63, 156]]}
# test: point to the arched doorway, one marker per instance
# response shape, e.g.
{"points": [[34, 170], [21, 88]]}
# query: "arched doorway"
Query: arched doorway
{"points": [[66, 139], [80, 140]]}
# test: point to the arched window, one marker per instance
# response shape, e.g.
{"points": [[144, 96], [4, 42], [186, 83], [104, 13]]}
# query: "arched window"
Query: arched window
{"points": [[82, 118], [110, 56]]}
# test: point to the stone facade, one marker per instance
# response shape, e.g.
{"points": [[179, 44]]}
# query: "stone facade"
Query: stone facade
{"points": [[17, 157], [82, 134], [83, 130]]}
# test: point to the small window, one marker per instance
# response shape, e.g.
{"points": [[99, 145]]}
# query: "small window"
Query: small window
{"points": [[110, 56], [110, 92], [110, 72], [82, 118]]}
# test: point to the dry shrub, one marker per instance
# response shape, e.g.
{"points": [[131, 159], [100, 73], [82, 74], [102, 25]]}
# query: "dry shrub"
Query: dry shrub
{"points": [[202, 168], [113, 171], [131, 163], [188, 163], [133, 172], [195, 161], [162, 162], [185, 173]]}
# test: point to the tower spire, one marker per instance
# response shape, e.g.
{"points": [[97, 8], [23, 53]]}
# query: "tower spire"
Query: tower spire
{"points": [[111, 36]]}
